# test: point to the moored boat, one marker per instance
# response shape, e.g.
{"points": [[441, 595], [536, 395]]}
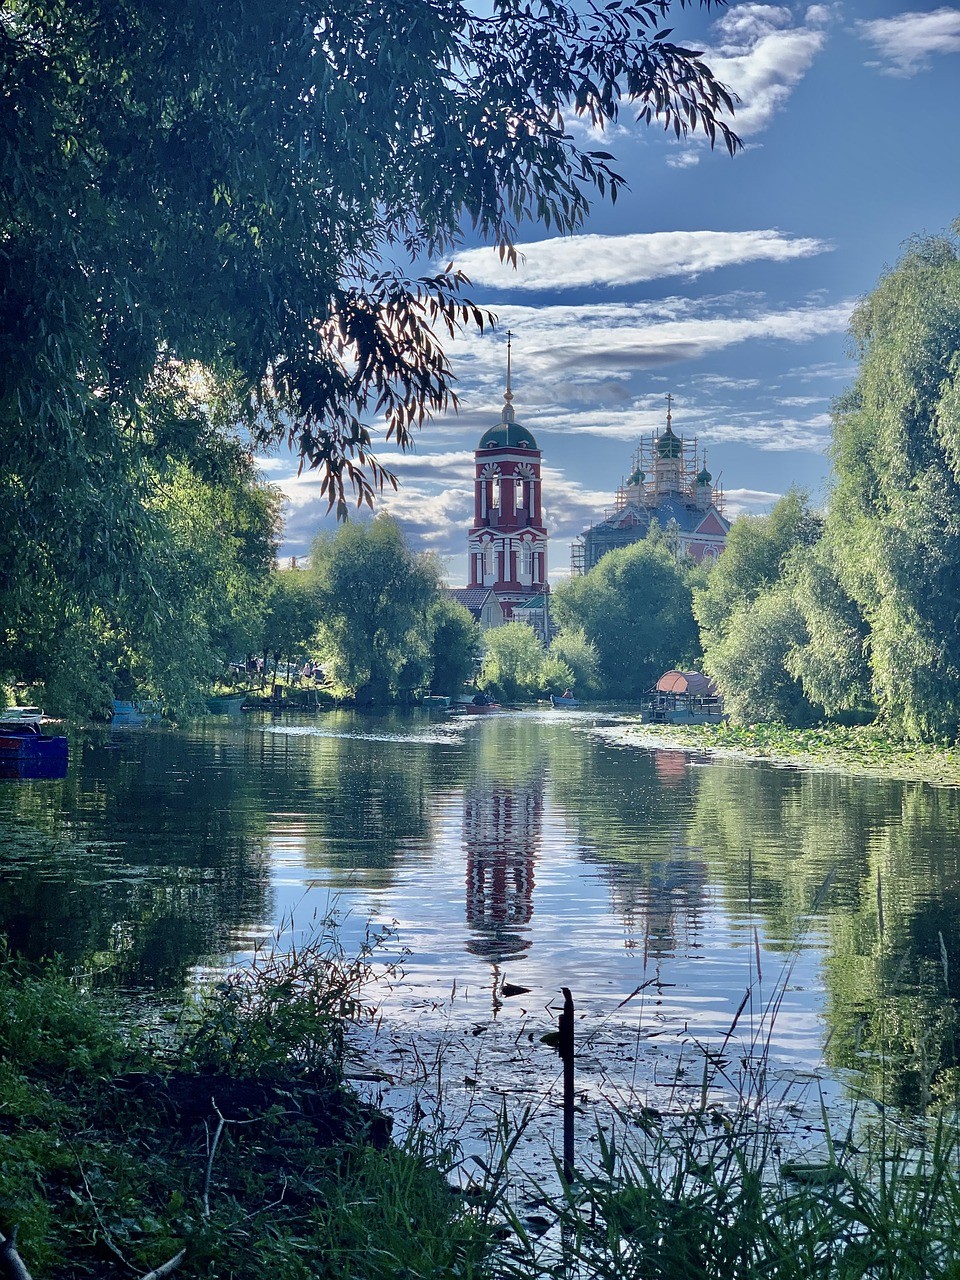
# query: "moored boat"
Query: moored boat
{"points": [[227, 704], [25, 751]]}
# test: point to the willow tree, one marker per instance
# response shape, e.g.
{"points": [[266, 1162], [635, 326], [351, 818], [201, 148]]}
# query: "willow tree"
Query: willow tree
{"points": [[895, 512], [239, 186]]}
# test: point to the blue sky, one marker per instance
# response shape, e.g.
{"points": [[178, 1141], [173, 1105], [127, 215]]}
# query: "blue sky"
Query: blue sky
{"points": [[728, 282]]}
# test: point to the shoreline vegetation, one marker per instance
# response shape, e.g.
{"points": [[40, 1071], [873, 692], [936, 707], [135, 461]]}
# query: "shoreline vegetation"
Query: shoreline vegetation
{"points": [[863, 750], [229, 1145]]}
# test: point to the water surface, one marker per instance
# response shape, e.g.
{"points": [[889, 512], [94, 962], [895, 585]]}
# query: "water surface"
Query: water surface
{"points": [[665, 890]]}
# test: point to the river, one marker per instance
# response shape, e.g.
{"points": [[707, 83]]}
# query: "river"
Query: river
{"points": [[674, 895]]}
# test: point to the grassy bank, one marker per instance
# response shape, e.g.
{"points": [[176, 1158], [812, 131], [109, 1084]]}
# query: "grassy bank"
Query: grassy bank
{"points": [[229, 1139], [230, 1146], [861, 749]]}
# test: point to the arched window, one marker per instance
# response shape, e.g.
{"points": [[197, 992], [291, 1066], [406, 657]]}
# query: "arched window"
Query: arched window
{"points": [[526, 559], [495, 493]]}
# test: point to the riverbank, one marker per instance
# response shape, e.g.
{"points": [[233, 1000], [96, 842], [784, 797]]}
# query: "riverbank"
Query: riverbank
{"points": [[852, 750], [126, 1152]]}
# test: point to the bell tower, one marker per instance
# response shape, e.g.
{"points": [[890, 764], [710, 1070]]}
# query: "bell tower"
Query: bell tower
{"points": [[507, 545]]}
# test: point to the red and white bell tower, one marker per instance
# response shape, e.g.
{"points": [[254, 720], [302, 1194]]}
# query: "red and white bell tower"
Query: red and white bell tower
{"points": [[507, 546]]}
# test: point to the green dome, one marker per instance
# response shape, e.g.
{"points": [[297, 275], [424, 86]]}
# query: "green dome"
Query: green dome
{"points": [[704, 477], [669, 445], [507, 435], [637, 477]]}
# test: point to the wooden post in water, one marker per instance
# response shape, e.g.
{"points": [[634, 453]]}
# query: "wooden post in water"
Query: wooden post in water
{"points": [[565, 1048]]}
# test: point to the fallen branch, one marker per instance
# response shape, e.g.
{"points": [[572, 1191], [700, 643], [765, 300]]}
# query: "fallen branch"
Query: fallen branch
{"points": [[12, 1268], [11, 1264], [166, 1268]]}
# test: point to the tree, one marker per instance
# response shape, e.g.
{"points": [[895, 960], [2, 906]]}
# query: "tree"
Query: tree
{"points": [[577, 653], [894, 515], [221, 189], [373, 596], [516, 665], [831, 661], [454, 645], [290, 615], [635, 608], [758, 552], [750, 663], [751, 625]]}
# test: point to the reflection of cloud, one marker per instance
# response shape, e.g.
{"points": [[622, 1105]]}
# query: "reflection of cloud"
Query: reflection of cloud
{"points": [[907, 42], [577, 261]]}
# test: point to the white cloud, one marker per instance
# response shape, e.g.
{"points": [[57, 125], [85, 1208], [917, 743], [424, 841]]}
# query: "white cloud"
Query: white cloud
{"points": [[908, 41], [762, 58], [590, 260], [683, 159], [739, 502]]}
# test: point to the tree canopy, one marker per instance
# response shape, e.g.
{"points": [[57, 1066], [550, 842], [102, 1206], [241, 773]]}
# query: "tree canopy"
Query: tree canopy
{"points": [[894, 515], [634, 607]]}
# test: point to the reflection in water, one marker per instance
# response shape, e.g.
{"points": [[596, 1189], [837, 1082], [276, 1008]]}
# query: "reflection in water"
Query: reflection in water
{"points": [[168, 848], [501, 835]]}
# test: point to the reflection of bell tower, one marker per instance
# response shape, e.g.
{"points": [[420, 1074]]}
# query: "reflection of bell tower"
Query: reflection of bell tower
{"points": [[501, 833]]}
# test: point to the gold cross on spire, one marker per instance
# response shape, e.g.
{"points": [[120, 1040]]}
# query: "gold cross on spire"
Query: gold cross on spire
{"points": [[669, 403], [508, 394]]}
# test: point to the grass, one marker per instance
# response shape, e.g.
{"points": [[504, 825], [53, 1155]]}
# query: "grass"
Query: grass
{"points": [[232, 1137], [862, 749]]}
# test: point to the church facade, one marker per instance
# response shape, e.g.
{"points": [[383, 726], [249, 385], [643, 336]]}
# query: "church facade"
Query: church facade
{"points": [[507, 543], [669, 483]]}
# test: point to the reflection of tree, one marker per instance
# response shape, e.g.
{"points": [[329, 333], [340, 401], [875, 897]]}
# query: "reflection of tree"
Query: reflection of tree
{"points": [[893, 975], [616, 800], [148, 856]]}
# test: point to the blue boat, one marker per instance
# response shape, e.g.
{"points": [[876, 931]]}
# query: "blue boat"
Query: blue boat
{"points": [[564, 700], [27, 752]]}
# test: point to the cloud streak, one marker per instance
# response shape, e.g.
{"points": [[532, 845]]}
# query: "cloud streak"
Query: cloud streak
{"points": [[908, 42], [609, 261]]}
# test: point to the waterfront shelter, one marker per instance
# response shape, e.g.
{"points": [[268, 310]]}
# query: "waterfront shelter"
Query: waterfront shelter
{"points": [[681, 697]]}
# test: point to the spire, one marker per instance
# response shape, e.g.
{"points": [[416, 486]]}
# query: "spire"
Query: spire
{"points": [[669, 415], [508, 415]]}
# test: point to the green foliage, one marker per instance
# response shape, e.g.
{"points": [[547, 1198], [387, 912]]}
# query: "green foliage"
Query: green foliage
{"points": [[454, 645], [751, 623], [106, 1161], [373, 599], [749, 665], [574, 650], [290, 615], [635, 608], [284, 1013], [513, 662], [831, 662], [758, 554], [201, 205], [895, 512]]}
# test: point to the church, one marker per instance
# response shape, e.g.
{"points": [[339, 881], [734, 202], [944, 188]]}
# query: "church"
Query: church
{"points": [[669, 483], [507, 543]]}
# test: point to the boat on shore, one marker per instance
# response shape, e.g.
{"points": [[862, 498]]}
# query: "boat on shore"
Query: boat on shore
{"points": [[25, 750], [227, 704]]}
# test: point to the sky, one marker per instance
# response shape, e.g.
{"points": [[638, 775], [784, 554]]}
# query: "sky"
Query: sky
{"points": [[727, 282]]}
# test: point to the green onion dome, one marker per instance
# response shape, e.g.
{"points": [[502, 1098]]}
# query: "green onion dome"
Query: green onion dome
{"points": [[669, 445], [507, 435]]}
